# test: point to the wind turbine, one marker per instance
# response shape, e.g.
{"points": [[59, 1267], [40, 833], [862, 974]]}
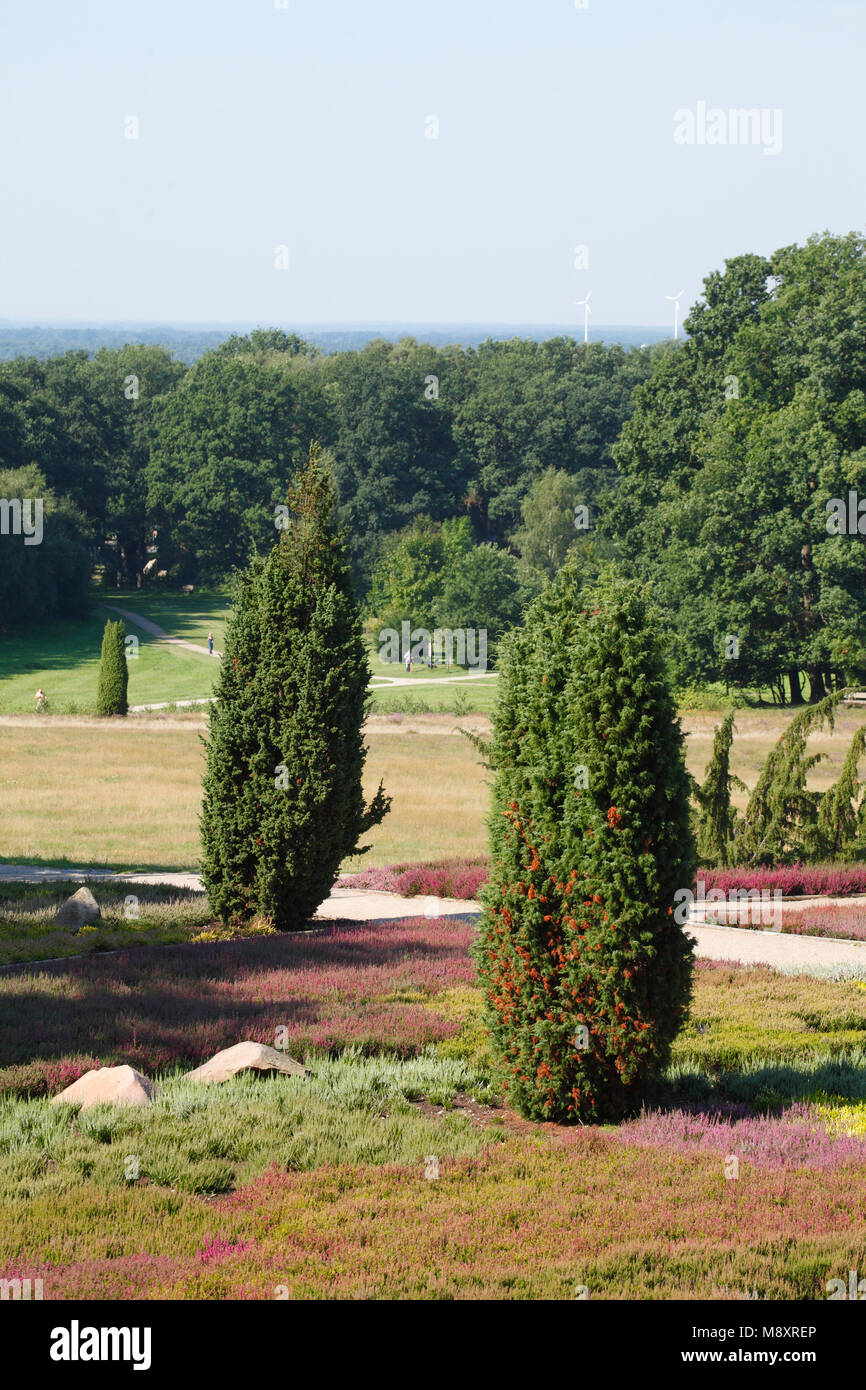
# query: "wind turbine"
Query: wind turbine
{"points": [[587, 314], [676, 299]]}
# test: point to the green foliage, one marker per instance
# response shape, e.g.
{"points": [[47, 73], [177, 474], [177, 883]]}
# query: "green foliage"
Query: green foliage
{"points": [[283, 803], [716, 817], [47, 578], [432, 575], [408, 577], [547, 515], [781, 820], [484, 589], [113, 673], [841, 815], [734, 448], [226, 442], [89, 422], [590, 840]]}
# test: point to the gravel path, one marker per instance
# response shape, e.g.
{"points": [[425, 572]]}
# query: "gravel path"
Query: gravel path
{"points": [[159, 632]]}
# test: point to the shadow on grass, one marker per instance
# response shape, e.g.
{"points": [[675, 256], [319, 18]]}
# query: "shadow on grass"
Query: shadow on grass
{"points": [[155, 1008], [764, 1087], [180, 615]]}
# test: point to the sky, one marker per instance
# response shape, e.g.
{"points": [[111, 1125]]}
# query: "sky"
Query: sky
{"points": [[332, 161]]}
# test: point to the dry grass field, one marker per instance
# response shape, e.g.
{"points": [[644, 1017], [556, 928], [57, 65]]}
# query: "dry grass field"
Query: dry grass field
{"points": [[125, 794]]}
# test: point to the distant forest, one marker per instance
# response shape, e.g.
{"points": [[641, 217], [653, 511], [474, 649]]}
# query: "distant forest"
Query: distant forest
{"points": [[189, 343], [714, 469]]}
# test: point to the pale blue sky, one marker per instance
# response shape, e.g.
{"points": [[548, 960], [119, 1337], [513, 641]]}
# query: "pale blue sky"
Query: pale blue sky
{"points": [[305, 127]]}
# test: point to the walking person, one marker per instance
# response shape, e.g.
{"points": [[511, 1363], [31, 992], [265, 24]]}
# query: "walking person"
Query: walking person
{"points": [[409, 661], [40, 700], [210, 643]]}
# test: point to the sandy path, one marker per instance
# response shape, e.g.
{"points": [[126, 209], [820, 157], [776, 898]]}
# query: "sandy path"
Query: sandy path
{"points": [[364, 905]]}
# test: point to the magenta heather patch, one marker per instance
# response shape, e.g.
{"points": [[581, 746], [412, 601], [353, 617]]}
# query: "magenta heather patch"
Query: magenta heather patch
{"points": [[216, 1249], [343, 984], [445, 878], [832, 920], [44, 1078], [796, 1140], [824, 880]]}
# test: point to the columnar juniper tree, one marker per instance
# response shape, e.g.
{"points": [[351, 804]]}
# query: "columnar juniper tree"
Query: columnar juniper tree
{"points": [[113, 673], [587, 977], [283, 803]]}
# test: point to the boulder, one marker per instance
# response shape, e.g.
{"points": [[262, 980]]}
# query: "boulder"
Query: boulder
{"points": [[109, 1085], [246, 1056], [78, 910]]}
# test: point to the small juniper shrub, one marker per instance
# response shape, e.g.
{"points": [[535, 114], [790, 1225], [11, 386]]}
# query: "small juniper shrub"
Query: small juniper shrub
{"points": [[113, 672]]}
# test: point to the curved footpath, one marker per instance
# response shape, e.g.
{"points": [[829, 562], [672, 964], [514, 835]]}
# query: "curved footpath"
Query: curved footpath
{"points": [[746, 946], [380, 682]]}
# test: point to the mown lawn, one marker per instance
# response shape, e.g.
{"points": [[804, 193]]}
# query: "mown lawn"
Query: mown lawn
{"points": [[324, 1187], [62, 659]]}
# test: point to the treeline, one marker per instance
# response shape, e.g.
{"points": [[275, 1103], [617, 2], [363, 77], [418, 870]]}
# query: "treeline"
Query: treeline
{"points": [[741, 449], [725, 472], [178, 472]]}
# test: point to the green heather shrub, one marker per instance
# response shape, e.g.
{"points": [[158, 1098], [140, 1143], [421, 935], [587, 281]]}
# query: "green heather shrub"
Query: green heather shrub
{"points": [[283, 803], [113, 673], [586, 974]]}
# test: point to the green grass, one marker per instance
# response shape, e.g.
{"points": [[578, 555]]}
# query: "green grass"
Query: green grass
{"points": [[190, 616], [467, 697], [133, 914], [211, 1138], [62, 658]]}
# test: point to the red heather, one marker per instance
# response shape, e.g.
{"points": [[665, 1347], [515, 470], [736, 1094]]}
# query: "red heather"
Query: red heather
{"points": [[828, 880]]}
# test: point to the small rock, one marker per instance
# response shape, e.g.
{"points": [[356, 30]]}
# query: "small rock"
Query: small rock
{"points": [[109, 1085], [245, 1056], [78, 910]]}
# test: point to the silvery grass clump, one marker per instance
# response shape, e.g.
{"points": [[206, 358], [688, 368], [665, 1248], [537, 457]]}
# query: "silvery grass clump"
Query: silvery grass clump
{"points": [[209, 1138]]}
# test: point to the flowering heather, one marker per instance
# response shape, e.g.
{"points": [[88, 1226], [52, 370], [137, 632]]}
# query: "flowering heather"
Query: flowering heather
{"points": [[832, 920], [367, 984], [827, 880], [797, 1140], [530, 1218], [216, 1249], [445, 878], [458, 878]]}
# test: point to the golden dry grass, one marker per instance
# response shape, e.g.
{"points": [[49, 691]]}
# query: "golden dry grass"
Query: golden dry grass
{"points": [[126, 793], [756, 733]]}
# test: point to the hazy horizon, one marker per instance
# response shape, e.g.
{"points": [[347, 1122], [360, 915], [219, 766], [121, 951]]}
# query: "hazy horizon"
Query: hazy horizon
{"points": [[226, 163]]}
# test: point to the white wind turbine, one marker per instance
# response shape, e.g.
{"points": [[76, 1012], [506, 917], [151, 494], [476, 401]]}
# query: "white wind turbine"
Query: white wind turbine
{"points": [[587, 313], [676, 299]]}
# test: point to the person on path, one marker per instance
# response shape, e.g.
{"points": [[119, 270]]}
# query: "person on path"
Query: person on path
{"points": [[409, 661], [210, 643]]}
